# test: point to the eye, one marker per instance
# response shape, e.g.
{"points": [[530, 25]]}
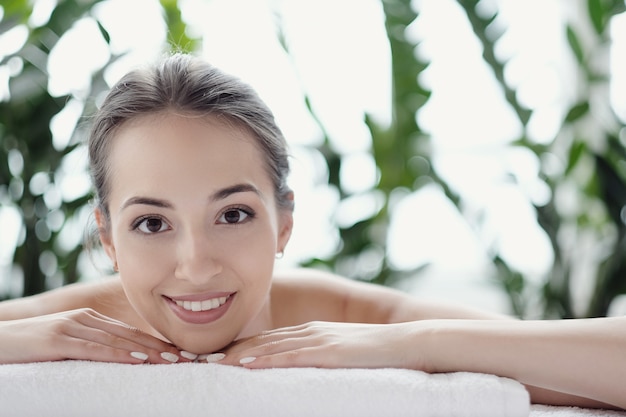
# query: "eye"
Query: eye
{"points": [[150, 225], [235, 216]]}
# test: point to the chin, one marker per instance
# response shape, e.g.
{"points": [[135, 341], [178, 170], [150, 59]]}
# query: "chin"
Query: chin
{"points": [[202, 343]]}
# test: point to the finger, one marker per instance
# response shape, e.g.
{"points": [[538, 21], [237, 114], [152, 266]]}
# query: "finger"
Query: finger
{"points": [[295, 328], [94, 338], [268, 338], [279, 332], [82, 349], [314, 357], [158, 350], [270, 347], [308, 357], [103, 330], [118, 328]]}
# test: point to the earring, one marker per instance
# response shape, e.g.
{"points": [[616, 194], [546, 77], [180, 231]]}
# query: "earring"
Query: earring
{"points": [[279, 255], [115, 268]]}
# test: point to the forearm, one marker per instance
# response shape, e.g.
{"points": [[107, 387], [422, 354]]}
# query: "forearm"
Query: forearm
{"points": [[17, 309], [585, 358], [69, 297]]}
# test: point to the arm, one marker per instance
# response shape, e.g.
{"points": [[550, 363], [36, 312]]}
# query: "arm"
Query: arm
{"points": [[79, 321], [556, 360], [576, 362], [581, 357], [69, 297]]}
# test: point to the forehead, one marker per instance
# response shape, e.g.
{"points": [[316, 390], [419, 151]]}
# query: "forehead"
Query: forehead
{"points": [[154, 152]]}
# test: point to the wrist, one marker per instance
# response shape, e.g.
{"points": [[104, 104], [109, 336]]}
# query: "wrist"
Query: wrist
{"points": [[428, 345], [436, 345], [449, 346]]}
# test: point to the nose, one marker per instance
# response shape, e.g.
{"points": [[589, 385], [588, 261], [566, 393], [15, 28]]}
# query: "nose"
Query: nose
{"points": [[198, 260]]}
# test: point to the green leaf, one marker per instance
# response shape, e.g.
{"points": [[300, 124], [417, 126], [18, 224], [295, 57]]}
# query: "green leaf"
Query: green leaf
{"points": [[487, 34], [22, 8], [104, 32], [16, 12], [577, 111], [177, 28], [612, 188], [574, 42], [596, 15], [577, 150]]}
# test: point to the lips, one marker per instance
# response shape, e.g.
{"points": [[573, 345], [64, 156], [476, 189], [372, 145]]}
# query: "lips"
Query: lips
{"points": [[200, 309], [204, 305]]}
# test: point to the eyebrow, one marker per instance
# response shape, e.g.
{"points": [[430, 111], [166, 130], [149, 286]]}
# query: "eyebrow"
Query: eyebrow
{"points": [[234, 189], [216, 196]]}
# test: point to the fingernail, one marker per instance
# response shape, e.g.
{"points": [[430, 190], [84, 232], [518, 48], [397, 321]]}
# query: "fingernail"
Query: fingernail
{"points": [[139, 355], [215, 357], [248, 359], [188, 355], [169, 357]]}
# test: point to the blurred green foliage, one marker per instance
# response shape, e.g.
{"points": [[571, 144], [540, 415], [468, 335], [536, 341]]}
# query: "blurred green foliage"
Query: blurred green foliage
{"points": [[30, 163], [26, 146], [401, 150], [588, 137], [397, 147]]}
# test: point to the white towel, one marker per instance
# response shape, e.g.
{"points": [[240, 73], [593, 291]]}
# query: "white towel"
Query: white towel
{"points": [[552, 411], [78, 388]]}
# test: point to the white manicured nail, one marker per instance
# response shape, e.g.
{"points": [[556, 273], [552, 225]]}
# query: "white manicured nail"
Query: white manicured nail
{"points": [[188, 355], [170, 357], [139, 355], [215, 357], [248, 359]]}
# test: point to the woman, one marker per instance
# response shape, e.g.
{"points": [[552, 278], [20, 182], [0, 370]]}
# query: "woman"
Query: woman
{"points": [[190, 175]]}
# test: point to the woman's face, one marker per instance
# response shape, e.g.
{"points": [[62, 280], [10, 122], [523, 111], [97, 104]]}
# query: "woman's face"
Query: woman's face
{"points": [[194, 227]]}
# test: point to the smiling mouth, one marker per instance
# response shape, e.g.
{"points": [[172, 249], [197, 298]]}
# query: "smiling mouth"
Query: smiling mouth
{"points": [[204, 305]]}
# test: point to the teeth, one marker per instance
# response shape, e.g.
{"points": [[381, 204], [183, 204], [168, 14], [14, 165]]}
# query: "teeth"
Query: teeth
{"points": [[204, 305]]}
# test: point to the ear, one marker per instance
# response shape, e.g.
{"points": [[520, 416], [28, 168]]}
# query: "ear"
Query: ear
{"points": [[285, 226], [104, 232]]}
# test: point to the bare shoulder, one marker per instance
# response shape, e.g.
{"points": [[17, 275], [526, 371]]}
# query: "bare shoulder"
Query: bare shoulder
{"points": [[104, 295], [304, 282], [304, 295]]}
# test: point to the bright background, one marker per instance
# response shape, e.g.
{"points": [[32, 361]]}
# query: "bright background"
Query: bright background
{"points": [[341, 59]]}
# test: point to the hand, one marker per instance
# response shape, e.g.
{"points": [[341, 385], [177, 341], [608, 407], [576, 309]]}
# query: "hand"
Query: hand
{"points": [[329, 345], [80, 334]]}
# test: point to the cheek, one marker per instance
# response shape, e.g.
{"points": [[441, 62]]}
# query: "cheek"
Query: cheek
{"points": [[249, 259], [252, 250], [142, 267], [141, 272], [139, 256]]}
